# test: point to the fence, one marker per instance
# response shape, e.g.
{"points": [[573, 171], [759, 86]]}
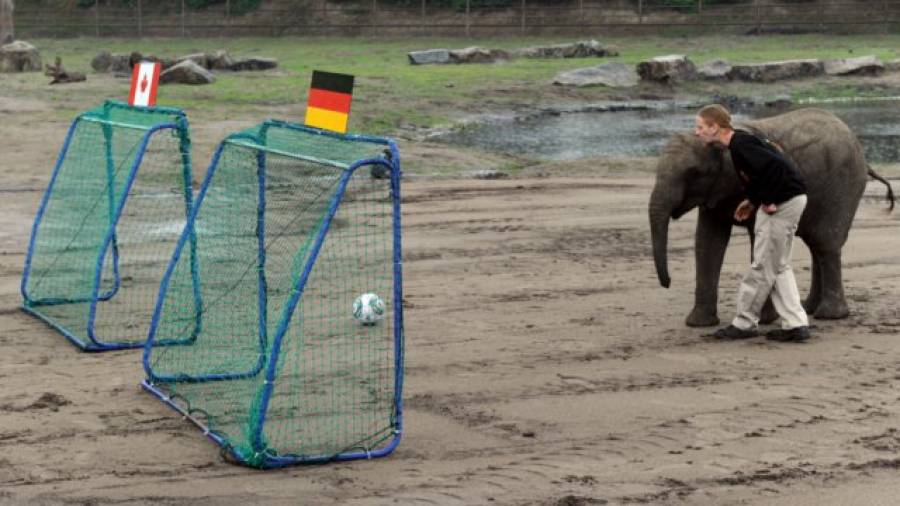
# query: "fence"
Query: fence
{"points": [[171, 18]]}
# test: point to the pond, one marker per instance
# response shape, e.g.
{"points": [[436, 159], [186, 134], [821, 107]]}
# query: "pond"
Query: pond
{"points": [[623, 133]]}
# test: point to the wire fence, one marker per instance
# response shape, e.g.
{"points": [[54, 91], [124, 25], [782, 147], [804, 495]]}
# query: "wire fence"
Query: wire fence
{"points": [[171, 18]]}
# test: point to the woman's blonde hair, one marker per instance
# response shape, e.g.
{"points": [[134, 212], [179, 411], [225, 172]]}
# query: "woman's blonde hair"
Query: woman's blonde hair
{"points": [[716, 114]]}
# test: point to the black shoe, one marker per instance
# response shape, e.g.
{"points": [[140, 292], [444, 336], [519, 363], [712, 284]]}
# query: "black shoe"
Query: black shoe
{"points": [[732, 332], [794, 335]]}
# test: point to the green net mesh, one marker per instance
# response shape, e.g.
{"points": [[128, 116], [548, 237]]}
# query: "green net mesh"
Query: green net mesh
{"points": [[333, 389], [107, 147]]}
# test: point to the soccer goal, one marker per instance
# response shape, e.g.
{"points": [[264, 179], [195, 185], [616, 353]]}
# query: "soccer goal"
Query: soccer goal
{"points": [[294, 228], [109, 219]]}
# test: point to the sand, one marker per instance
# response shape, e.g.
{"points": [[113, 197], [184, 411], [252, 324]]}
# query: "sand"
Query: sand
{"points": [[545, 366]]}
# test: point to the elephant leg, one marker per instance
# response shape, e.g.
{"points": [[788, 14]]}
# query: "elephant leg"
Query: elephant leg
{"points": [[833, 304], [710, 242], [811, 304], [768, 313]]}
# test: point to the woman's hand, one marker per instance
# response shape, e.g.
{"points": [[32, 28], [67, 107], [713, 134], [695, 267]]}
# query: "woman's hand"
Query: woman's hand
{"points": [[744, 211]]}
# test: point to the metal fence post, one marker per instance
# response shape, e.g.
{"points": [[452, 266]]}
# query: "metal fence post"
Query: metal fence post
{"points": [[97, 18], [423, 18], [140, 21], [640, 12], [227, 12], [183, 21]]}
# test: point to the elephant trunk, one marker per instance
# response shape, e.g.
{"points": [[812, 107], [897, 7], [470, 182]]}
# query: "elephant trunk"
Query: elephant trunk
{"points": [[660, 212]]}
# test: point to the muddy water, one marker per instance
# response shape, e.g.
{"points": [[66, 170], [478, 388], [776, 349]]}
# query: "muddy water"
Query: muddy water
{"points": [[572, 136]]}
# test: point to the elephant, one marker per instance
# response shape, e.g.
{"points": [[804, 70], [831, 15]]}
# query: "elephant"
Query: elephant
{"points": [[692, 174]]}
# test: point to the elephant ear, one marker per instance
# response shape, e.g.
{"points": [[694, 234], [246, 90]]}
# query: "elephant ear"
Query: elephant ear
{"points": [[721, 170]]}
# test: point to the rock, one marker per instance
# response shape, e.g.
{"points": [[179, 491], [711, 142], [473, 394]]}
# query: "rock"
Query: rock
{"points": [[489, 174], [429, 56], [254, 64], [19, 56], [478, 55], [667, 69], [220, 60], [892, 65], [614, 75], [779, 102], [120, 64], [582, 49], [714, 70], [187, 72], [201, 59], [776, 71], [102, 61], [862, 65]]}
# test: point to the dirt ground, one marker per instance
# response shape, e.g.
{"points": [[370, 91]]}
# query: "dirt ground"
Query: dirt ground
{"points": [[545, 365]]}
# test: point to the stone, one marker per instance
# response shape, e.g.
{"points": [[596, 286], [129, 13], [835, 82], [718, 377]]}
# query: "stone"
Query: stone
{"points": [[253, 64], [862, 65], [490, 174], [187, 72], [892, 65], [478, 55], [120, 64], [102, 61], [429, 57], [777, 70], [201, 59], [581, 49], [614, 75], [19, 56], [220, 60], [714, 70], [667, 69]]}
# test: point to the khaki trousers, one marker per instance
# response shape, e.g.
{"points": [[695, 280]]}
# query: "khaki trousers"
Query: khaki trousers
{"points": [[770, 272]]}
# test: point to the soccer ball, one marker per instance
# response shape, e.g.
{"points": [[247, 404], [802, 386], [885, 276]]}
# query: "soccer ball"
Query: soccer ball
{"points": [[368, 308]]}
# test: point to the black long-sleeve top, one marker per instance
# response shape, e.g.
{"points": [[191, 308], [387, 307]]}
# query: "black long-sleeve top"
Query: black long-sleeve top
{"points": [[769, 177]]}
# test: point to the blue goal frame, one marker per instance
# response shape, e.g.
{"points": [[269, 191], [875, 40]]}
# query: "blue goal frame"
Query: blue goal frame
{"points": [[155, 384], [178, 126]]}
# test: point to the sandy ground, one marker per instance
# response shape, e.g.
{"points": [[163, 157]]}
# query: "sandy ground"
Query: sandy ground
{"points": [[545, 366]]}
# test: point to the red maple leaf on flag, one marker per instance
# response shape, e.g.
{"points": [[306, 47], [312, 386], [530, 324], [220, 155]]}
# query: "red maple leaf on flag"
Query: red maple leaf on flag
{"points": [[144, 84]]}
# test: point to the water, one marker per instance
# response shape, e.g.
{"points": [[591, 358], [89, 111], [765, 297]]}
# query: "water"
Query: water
{"points": [[643, 133]]}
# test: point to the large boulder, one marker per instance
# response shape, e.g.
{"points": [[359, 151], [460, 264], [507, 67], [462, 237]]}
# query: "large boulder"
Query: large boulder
{"points": [[201, 59], [582, 49], [478, 55], [776, 71], [221, 60], [892, 65], [863, 65], [614, 75], [19, 56], [253, 64], [429, 57], [187, 72], [715, 70], [102, 61], [667, 69]]}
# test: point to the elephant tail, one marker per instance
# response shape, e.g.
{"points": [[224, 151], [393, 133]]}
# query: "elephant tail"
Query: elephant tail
{"points": [[890, 191]]}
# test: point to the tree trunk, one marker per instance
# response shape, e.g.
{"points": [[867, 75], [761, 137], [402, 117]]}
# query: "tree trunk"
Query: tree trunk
{"points": [[7, 30]]}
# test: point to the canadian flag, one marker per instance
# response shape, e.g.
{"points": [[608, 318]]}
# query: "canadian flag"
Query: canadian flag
{"points": [[144, 81]]}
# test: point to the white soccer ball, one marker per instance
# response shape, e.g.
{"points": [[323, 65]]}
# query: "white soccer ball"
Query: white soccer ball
{"points": [[368, 308]]}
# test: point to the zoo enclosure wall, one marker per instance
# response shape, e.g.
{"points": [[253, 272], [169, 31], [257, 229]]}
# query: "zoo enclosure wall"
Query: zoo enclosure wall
{"points": [[171, 18]]}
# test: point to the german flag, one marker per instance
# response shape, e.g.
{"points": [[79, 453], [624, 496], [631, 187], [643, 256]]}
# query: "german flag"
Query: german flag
{"points": [[328, 106]]}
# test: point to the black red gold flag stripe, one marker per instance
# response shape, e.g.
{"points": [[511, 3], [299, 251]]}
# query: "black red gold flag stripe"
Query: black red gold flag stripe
{"points": [[328, 106]]}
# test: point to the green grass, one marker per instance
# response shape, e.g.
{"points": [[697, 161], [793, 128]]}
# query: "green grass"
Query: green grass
{"points": [[391, 94]]}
